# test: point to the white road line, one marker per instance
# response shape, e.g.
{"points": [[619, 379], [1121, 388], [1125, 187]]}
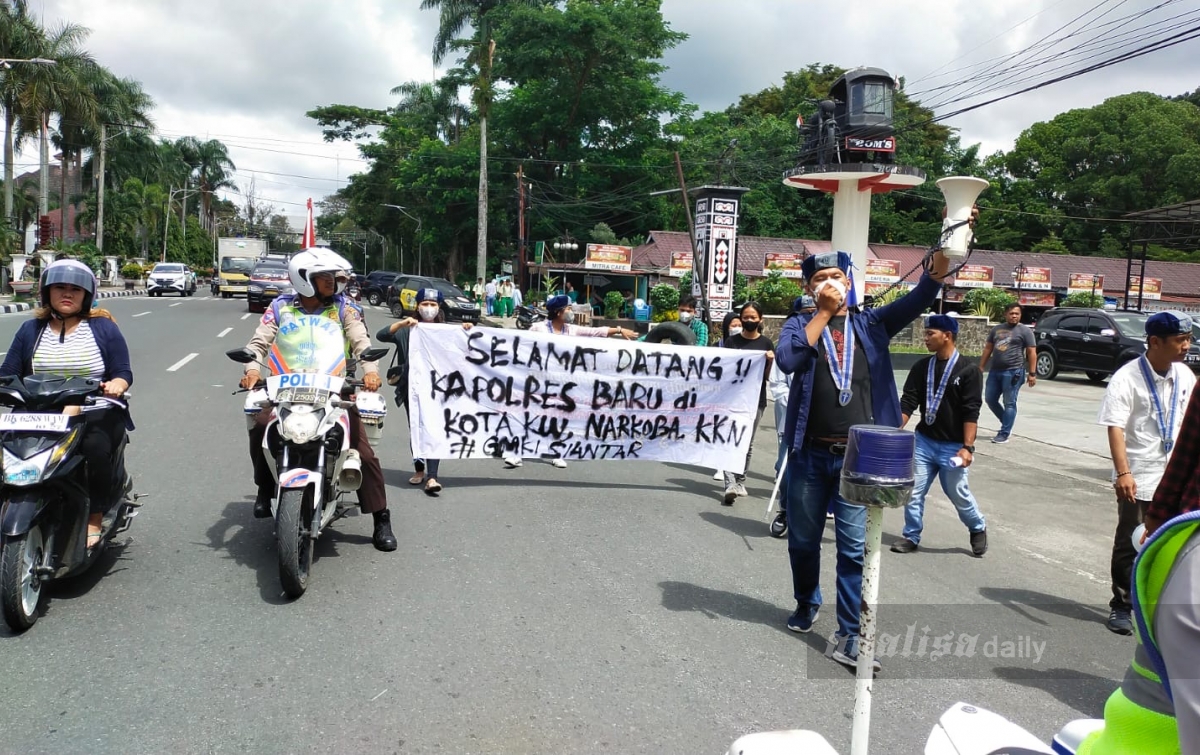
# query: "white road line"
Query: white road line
{"points": [[223, 332], [175, 367], [205, 298], [176, 304], [245, 316], [141, 314]]}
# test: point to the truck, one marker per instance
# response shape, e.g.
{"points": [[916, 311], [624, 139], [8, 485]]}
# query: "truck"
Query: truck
{"points": [[235, 260]]}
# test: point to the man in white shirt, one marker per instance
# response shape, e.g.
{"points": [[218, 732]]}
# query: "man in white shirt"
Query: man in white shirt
{"points": [[1143, 409], [490, 291]]}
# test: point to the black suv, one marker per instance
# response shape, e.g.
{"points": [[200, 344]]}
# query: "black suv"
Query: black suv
{"points": [[1092, 340], [268, 279], [375, 285], [402, 298]]}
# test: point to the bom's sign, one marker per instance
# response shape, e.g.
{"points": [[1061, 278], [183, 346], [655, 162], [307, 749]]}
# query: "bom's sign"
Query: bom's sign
{"points": [[886, 144], [786, 264], [974, 276], [609, 257], [487, 393]]}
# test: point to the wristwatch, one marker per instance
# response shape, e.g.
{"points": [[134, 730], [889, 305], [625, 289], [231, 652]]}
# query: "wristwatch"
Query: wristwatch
{"points": [[970, 449]]}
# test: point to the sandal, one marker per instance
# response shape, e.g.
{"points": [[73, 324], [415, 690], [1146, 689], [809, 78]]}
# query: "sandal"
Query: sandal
{"points": [[417, 478], [433, 487], [97, 536]]}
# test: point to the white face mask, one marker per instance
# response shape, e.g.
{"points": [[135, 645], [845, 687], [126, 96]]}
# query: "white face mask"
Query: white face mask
{"points": [[836, 284], [569, 316], [735, 331], [428, 314], [686, 317]]}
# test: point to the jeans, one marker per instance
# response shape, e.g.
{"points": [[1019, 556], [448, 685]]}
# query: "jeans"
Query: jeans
{"points": [[1008, 383], [813, 476], [933, 460], [491, 304], [1129, 516]]}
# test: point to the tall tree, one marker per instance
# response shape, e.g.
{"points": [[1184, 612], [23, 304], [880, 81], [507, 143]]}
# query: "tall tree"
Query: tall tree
{"points": [[20, 39], [433, 109], [213, 172]]}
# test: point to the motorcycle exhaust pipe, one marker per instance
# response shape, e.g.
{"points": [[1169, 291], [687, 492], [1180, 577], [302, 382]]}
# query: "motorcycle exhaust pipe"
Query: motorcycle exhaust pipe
{"points": [[351, 476]]}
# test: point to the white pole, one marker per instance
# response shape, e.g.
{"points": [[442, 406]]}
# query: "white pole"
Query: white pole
{"points": [[851, 226], [775, 491], [864, 677]]}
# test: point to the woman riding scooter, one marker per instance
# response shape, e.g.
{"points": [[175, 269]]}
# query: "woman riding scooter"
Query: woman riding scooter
{"points": [[67, 337]]}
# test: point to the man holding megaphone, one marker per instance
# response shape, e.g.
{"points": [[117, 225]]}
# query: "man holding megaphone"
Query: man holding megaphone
{"points": [[841, 376]]}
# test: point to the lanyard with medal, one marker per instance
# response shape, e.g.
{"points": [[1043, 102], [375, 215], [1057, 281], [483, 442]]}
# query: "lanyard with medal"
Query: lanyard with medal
{"points": [[933, 399], [842, 370], [1165, 428]]}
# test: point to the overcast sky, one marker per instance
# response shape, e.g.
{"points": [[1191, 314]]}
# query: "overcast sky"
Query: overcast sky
{"points": [[246, 71]]}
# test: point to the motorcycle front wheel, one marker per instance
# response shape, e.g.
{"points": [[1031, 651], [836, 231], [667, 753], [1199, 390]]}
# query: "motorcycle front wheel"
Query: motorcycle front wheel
{"points": [[20, 587], [292, 540]]}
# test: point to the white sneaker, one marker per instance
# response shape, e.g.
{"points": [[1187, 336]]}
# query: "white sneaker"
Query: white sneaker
{"points": [[719, 476], [559, 463], [512, 462], [741, 490]]}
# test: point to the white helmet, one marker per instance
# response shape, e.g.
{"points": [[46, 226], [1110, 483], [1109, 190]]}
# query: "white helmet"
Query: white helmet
{"points": [[318, 259]]}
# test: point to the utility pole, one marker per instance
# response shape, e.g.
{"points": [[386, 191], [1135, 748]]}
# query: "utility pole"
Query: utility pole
{"points": [[481, 238], [521, 225], [100, 194], [687, 211]]}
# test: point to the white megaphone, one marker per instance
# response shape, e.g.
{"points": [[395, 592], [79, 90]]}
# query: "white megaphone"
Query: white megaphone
{"points": [[960, 193]]}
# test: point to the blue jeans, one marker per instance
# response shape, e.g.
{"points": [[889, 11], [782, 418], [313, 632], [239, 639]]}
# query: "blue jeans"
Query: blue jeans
{"points": [[933, 460], [813, 486], [491, 304], [1006, 383]]}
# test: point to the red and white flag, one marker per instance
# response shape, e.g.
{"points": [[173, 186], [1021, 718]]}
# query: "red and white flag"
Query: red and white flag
{"points": [[310, 235]]}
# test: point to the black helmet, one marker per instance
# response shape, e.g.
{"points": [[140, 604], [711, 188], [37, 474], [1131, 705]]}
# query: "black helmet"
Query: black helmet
{"points": [[71, 273]]}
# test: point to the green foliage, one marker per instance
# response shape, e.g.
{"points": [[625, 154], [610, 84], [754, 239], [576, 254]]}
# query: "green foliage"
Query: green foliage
{"points": [[1052, 244], [668, 316], [614, 303], [776, 293], [1083, 299], [602, 233], [741, 288], [988, 302], [889, 297], [664, 298], [131, 271]]}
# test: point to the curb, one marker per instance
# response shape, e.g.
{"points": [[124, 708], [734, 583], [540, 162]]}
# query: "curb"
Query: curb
{"points": [[10, 308], [112, 294]]}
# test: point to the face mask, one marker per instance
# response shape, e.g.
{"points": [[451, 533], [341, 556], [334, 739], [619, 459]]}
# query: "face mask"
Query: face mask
{"points": [[735, 331], [686, 317], [750, 326], [570, 316], [428, 314], [836, 284]]}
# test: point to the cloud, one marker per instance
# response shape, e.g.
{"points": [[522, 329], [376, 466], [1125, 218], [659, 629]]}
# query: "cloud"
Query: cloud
{"points": [[246, 72]]}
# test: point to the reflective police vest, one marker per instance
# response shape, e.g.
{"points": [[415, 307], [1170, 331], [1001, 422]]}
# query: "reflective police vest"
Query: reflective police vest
{"points": [[1140, 717], [287, 307]]}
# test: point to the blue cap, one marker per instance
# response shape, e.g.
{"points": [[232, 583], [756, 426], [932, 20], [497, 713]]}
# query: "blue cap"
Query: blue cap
{"points": [[1168, 323], [817, 262], [804, 302], [429, 294], [943, 323], [555, 303]]}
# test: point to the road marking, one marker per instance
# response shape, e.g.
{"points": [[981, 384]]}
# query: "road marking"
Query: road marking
{"points": [[245, 315], [175, 367], [205, 298], [2, 353], [223, 332], [176, 304], [141, 314]]}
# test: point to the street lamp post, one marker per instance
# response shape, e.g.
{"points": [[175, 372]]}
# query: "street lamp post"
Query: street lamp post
{"points": [[1094, 281], [167, 220], [420, 239], [1018, 273], [569, 246]]}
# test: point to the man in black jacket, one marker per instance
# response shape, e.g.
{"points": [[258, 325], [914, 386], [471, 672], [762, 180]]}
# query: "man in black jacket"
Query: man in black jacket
{"points": [[949, 392]]}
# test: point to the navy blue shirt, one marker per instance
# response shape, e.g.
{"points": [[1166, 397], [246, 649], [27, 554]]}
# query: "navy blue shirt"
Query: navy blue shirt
{"points": [[114, 350]]}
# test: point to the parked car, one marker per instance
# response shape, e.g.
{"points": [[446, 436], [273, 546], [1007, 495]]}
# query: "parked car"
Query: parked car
{"points": [[170, 277], [268, 279], [375, 286], [402, 298], [1092, 340]]}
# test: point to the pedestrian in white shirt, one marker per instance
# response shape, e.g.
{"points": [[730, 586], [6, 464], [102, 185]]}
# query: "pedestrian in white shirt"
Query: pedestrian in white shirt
{"points": [[490, 292], [1143, 409]]}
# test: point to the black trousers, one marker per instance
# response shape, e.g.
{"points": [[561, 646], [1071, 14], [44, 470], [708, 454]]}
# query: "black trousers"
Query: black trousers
{"points": [[101, 436], [1129, 516]]}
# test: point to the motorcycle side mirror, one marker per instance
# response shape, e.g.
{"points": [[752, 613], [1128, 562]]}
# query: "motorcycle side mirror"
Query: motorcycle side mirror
{"points": [[373, 355], [242, 355]]}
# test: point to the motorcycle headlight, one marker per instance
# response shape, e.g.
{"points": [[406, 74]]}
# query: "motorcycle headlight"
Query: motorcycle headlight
{"points": [[300, 426]]}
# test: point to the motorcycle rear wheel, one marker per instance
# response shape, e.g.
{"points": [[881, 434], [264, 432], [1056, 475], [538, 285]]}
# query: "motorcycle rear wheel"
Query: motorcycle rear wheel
{"points": [[292, 540], [20, 589]]}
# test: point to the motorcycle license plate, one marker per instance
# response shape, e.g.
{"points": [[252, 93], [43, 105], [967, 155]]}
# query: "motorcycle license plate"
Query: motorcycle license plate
{"points": [[35, 422], [302, 395]]}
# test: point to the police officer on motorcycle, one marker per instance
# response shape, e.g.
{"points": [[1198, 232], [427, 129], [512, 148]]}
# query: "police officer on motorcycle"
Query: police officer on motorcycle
{"points": [[319, 277]]}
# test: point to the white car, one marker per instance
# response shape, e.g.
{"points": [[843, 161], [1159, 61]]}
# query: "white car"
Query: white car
{"points": [[171, 277]]}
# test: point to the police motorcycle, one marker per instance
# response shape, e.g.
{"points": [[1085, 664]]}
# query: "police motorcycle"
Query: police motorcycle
{"points": [[527, 316], [308, 395], [44, 499]]}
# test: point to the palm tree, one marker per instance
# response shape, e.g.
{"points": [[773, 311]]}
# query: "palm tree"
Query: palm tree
{"points": [[456, 15], [435, 108], [20, 39], [122, 101], [214, 171]]}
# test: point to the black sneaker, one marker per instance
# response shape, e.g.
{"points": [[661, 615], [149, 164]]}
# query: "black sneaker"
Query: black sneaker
{"points": [[979, 543], [383, 538], [779, 525], [1000, 438], [904, 546], [1120, 622], [802, 620], [262, 504], [844, 650]]}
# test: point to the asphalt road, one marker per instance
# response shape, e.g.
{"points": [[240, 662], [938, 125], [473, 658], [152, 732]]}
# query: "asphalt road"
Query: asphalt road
{"points": [[592, 609]]}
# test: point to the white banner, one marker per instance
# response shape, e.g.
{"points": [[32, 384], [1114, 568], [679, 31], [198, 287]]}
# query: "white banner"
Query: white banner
{"points": [[486, 393]]}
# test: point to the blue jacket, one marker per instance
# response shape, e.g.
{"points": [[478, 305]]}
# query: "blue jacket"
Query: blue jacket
{"points": [[19, 360], [874, 329]]}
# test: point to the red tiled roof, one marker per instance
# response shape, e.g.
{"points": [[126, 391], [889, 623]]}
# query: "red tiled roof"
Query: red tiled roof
{"points": [[1179, 278]]}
